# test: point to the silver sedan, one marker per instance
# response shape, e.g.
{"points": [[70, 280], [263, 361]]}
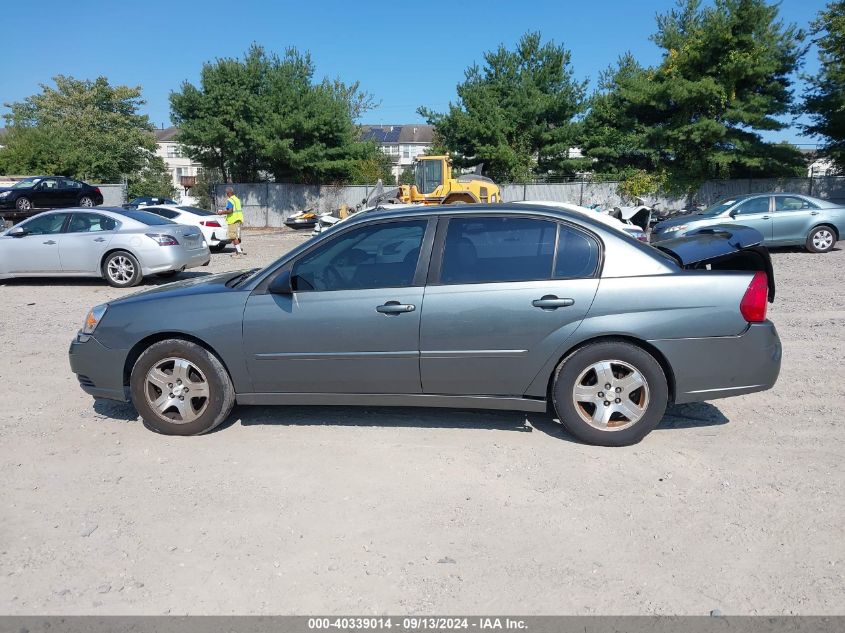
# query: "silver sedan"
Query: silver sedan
{"points": [[120, 245]]}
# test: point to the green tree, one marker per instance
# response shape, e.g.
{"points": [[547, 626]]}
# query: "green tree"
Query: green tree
{"points": [[84, 129], [407, 177], [516, 114], [265, 115], [372, 166], [825, 97], [723, 80], [203, 189], [153, 179]]}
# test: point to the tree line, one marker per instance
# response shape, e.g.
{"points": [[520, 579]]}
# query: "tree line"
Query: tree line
{"points": [[725, 77]]}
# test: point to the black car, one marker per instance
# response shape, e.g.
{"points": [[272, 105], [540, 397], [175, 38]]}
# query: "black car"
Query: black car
{"points": [[145, 201], [47, 192]]}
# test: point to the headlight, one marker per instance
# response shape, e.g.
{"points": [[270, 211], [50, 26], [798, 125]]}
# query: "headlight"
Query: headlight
{"points": [[675, 229], [93, 319], [3, 194]]}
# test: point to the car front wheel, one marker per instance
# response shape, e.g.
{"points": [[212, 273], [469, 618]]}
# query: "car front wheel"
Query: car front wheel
{"points": [[821, 239], [180, 388], [122, 270], [23, 204], [610, 393]]}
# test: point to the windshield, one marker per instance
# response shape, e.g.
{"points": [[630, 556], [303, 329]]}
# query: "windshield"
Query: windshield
{"points": [[25, 183], [196, 210], [719, 207], [145, 217], [429, 175]]}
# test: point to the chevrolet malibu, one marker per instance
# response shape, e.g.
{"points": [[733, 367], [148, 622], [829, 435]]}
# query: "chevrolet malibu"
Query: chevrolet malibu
{"points": [[784, 219], [120, 245], [523, 308]]}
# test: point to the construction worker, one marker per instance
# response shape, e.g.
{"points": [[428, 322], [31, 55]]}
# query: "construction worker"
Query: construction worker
{"points": [[234, 220]]}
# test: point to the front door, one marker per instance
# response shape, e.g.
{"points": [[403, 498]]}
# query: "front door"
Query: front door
{"points": [[36, 252], [506, 294], [82, 246], [46, 193], [793, 218], [756, 213], [352, 323]]}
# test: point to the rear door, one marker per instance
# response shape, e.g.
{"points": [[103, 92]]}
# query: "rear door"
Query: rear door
{"points": [[507, 292], [793, 218], [69, 192], [82, 246], [37, 252], [756, 213], [352, 324]]}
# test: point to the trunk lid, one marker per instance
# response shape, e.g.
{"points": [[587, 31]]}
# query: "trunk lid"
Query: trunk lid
{"points": [[722, 247]]}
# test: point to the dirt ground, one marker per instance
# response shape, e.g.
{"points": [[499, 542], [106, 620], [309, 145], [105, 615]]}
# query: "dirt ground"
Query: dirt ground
{"points": [[734, 505]]}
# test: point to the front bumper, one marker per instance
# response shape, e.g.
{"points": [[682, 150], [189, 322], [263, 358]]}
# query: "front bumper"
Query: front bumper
{"points": [[98, 368], [720, 367]]}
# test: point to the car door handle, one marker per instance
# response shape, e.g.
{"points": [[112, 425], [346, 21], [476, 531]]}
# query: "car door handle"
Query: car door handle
{"points": [[100, 239], [394, 307], [50, 242], [765, 217], [551, 302], [814, 212]]}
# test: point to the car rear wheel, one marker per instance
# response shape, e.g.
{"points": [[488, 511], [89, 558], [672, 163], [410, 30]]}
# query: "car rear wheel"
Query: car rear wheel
{"points": [[23, 204], [122, 270], [85, 201], [821, 239], [218, 248], [610, 393], [180, 388]]}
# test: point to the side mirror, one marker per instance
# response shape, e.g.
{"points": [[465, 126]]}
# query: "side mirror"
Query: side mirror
{"points": [[17, 231], [281, 285], [732, 214]]}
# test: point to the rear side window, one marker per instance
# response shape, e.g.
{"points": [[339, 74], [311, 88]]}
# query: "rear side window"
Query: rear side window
{"points": [[792, 203], [196, 211], [497, 249], [144, 217], [577, 254], [165, 213]]}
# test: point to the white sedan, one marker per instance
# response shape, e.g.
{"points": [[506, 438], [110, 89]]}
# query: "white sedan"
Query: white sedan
{"points": [[621, 225], [212, 225]]}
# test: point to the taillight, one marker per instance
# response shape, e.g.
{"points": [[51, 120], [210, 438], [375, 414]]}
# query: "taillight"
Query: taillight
{"points": [[211, 223], [163, 240], [97, 189], [755, 300]]}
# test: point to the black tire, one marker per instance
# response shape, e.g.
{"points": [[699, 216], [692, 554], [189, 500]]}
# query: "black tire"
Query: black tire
{"points": [[23, 204], [653, 399], [120, 279], [821, 239], [218, 248], [86, 201], [168, 274], [213, 410]]}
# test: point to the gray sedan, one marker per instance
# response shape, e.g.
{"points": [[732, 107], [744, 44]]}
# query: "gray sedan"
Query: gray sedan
{"points": [[120, 245], [520, 307], [784, 219]]}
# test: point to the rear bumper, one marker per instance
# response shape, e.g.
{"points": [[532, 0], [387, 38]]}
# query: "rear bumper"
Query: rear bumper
{"points": [[171, 258], [98, 368], [720, 367]]}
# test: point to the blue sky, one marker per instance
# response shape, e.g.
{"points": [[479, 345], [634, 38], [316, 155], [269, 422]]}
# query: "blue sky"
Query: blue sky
{"points": [[406, 53]]}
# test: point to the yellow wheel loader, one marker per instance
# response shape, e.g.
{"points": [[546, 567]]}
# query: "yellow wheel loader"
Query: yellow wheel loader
{"points": [[435, 184]]}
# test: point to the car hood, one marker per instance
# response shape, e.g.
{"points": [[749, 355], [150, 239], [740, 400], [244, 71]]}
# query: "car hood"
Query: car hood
{"points": [[2, 189], [207, 284], [720, 246]]}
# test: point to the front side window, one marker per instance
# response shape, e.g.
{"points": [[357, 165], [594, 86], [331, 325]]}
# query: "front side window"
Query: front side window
{"points": [[49, 224], [792, 203], [755, 205], [90, 223], [375, 256], [497, 249], [49, 184]]}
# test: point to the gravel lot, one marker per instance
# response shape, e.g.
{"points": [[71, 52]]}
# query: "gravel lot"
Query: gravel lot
{"points": [[736, 505]]}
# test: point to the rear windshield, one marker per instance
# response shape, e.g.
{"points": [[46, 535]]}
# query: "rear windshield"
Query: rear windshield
{"points": [[145, 217], [196, 210]]}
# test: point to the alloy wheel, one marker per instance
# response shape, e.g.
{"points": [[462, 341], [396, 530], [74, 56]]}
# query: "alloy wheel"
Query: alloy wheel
{"points": [[120, 269], [86, 202], [176, 389], [23, 204], [823, 239], [611, 395]]}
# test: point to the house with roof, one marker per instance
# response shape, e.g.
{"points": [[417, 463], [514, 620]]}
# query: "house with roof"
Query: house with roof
{"points": [[183, 170], [402, 143]]}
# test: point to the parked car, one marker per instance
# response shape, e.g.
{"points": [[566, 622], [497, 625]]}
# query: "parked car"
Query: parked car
{"points": [[784, 219], [213, 226], [47, 192], [122, 246], [480, 306], [145, 201]]}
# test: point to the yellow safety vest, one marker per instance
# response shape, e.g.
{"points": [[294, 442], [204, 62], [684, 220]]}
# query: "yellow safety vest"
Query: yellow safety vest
{"points": [[236, 215]]}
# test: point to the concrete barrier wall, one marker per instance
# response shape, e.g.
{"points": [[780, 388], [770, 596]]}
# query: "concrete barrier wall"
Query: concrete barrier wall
{"points": [[113, 195], [269, 204]]}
